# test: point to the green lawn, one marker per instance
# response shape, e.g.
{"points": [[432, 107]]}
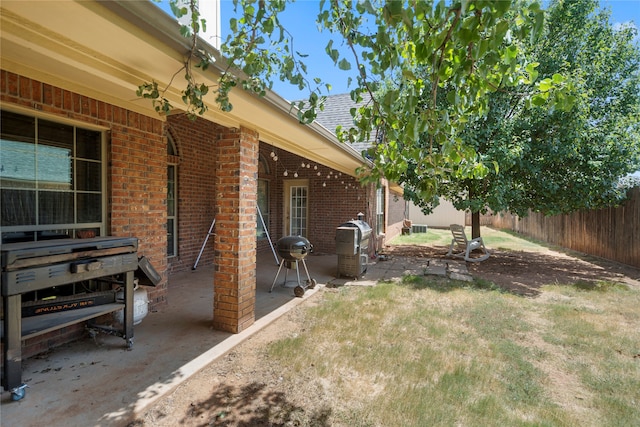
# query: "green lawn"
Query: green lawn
{"points": [[434, 352], [493, 239], [429, 351]]}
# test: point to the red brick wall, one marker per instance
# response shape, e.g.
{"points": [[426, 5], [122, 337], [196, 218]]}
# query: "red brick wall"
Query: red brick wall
{"points": [[395, 215], [371, 218], [137, 182], [196, 143], [235, 237], [136, 189], [338, 201]]}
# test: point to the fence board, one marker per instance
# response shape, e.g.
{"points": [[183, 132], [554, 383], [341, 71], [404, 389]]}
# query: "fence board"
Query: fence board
{"points": [[611, 233]]}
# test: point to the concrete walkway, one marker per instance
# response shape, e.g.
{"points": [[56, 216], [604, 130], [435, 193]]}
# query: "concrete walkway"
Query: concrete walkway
{"points": [[101, 383], [393, 268]]}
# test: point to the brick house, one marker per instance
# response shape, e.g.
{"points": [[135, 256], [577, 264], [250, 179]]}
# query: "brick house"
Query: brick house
{"points": [[68, 77]]}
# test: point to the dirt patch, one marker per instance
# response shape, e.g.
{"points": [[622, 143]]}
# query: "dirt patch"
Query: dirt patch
{"points": [[243, 388], [247, 388], [525, 273]]}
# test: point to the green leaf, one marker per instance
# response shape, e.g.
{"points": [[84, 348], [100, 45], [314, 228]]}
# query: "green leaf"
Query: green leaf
{"points": [[501, 6], [344, 64], [268, 25], [334, 54], [539, 99], [408, 74], [545, 85]]}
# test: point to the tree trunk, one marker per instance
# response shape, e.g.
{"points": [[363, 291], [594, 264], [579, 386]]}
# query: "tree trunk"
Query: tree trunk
{"points": [[475, 216], [475, 225]]}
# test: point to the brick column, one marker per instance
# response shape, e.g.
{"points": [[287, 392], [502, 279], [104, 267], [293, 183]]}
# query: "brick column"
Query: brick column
{"points": [[235, 230]]}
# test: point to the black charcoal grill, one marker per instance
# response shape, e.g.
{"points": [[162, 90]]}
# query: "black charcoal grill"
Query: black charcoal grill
{"points": [[293, 249]]}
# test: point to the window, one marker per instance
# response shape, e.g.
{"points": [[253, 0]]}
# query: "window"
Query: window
{"points": [[172, 197], [380, 221], [51, 179]]}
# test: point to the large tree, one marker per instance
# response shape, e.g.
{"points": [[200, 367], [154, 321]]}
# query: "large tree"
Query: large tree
{"points": [[548, 160], [468, 48]]}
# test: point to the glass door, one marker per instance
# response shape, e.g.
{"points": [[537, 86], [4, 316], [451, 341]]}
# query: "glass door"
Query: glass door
{"points": [[296, 211]]}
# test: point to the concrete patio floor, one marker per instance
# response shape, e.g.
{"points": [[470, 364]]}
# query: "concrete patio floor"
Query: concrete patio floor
{"points": [[98, 382]]}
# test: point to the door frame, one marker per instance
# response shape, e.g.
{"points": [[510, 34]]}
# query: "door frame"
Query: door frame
{"points": [[286, 220]]}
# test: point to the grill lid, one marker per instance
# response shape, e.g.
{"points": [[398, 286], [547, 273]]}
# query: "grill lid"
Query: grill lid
{"points": [[69, 249], [364, 229], [293, 248]]}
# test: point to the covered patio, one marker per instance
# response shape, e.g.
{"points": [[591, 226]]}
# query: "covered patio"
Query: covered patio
{"points": [[97, 382]]}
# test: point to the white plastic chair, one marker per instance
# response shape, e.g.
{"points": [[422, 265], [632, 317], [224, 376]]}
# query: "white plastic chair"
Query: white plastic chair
{"points": [[461, 247]]}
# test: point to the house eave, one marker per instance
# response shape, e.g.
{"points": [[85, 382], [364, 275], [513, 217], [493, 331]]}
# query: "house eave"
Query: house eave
{"points": [[113, 47]]}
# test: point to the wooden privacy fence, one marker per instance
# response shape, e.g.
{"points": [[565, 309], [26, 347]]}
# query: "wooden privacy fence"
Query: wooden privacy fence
{"points": [[612, 233]]}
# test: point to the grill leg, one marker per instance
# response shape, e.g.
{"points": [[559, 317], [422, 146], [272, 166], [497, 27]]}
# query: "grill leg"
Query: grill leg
{"points": [[277, 274], [286, 273], [12, 341], [307, 271], [128, 309], [299, 290]]}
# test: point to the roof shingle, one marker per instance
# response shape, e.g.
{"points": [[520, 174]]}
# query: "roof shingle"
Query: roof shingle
{"points": [[337, 113]]}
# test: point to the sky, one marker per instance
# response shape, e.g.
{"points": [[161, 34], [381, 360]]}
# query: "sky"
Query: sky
{"points": [[299, 19]]}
